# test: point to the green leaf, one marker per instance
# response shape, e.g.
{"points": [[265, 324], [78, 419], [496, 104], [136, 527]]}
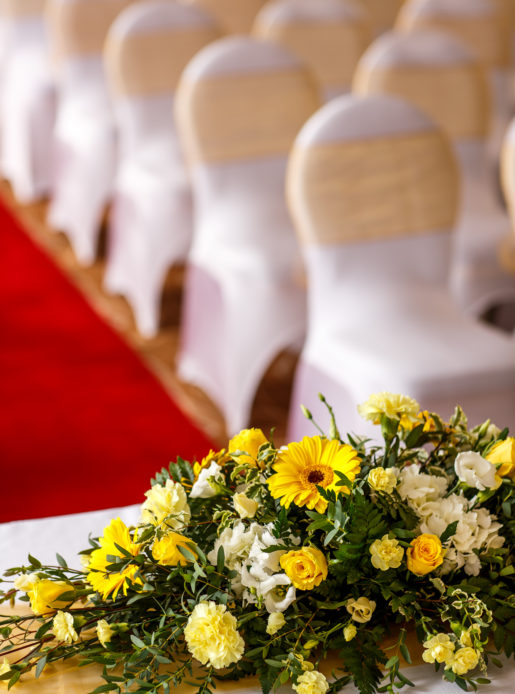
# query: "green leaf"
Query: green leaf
{"points": [[414, 436], [41, 664], [394, 660], [61, 560], [34, 562], [449, 531], [220, 559], [137, 642]]}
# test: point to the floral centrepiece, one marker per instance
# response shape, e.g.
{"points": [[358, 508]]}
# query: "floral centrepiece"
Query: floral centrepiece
{"points": [[262, 561]]}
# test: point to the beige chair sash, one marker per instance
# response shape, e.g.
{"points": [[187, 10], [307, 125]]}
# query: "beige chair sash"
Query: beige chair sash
{"points": [[79, 28], [331, 49], [152, 63], [373, 189], [242, 116], [233, 16], [21, 8], [455, 96], [484, 34]]}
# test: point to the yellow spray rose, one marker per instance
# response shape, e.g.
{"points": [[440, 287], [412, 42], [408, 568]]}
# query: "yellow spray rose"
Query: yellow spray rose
{"points": [[276, 621], [438, 648], [248, 441], [62, 628], [425, 554], [306, 568], [464, 660], [44, 596], [361, 610], [349, 632], [382, 479], [386, 553], [166, 550], [502, 454], [212, 637]]}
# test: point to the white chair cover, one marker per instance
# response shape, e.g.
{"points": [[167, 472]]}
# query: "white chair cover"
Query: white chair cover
{"points": [[372, 187], [482, 25], [84, 134], [151, 215], [329, 35], [27, 100], [440, 75], [240, 104]]}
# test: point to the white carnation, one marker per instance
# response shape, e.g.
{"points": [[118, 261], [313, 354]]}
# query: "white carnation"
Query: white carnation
{"points": [[417, 487], [475, 471], [202, 489]]}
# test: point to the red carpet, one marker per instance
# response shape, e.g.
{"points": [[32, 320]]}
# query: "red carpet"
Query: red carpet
{"points": [[83, 424]]}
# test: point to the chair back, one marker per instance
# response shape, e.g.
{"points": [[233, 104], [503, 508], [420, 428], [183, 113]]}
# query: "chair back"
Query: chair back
{"points": [[78, 28], [329, 35], [508, 170], [18, 9], [478, 23], [371, 168], [435, 72], [233, 16], [150, 43], [241, 99], [383, 13]]}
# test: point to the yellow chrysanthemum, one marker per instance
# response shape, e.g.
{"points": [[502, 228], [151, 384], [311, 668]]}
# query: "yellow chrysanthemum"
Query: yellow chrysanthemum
{"points": [[105, 583], [393, 405], [301, 467]]}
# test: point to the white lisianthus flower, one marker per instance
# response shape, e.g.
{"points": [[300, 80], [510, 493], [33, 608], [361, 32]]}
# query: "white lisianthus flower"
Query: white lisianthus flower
{"points": [[202, 489], [167, 501], [244, 507], [26, 582], [276, 621], [236, 542], [417, 487], [475, 471]]}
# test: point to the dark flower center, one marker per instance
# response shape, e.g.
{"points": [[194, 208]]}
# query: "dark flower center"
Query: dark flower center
{"points": [[315, 477]]}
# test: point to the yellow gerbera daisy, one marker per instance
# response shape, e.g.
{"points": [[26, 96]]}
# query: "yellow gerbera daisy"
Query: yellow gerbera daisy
{"points": [[104, 582], [220, 457], [301, 467]]}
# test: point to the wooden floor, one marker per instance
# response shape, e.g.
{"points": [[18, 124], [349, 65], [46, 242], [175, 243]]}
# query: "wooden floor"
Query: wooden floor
{"points": [[271, 403]]}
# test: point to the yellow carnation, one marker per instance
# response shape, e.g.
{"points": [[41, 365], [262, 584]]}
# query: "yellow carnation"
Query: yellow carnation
{"points": [[382, 479], [311, 682], [248, 441], [166, 503], [104, 632], [166, 550], [361, 610], [62, 628], [212, 637], [276, 621], [464, 660], [306, 568], [44, 596], [393, 405], [502, 454], [425, 554], [386, 553], [349, 632], [438, 648], [302, 467]]}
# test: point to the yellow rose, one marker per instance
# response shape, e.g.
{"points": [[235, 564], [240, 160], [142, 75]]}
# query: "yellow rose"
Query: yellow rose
{"points": [[502, 454], [393, 405], [311, 682], [349, 632], [212, 637], [464, 660], [248, 441], [166, 550], [382, 479], [438, 648], [104, 632], [306, 568], [44, 596], [424, 554], [244, 507], [62, 628], [276, 621], [361, 610], [386, 553]]}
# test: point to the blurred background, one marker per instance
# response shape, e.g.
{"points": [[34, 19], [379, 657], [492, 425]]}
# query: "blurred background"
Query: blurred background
{"points": [[214, 210]]}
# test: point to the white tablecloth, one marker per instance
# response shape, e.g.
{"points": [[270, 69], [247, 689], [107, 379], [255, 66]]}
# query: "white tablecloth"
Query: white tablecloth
{"points": [[69, 534]]}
